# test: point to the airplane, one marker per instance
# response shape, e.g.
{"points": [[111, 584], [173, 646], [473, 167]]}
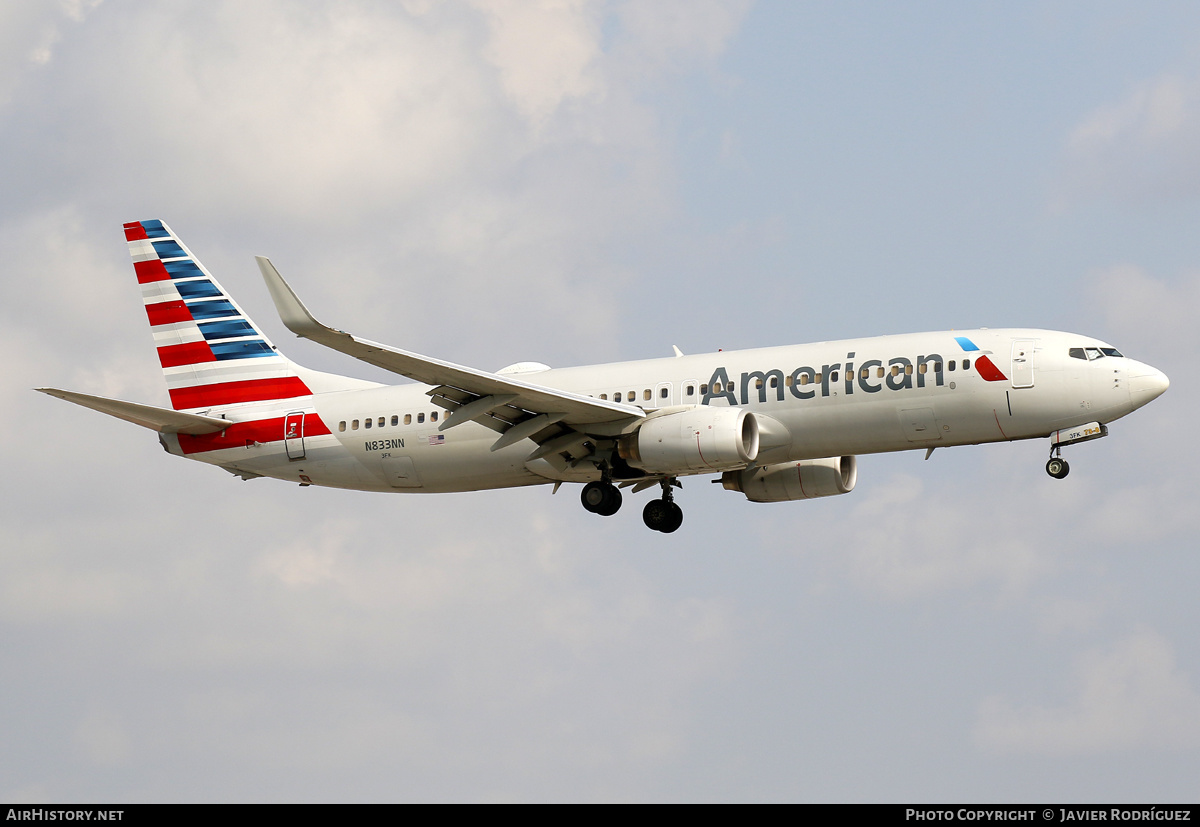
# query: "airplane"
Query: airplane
{"points": [[777, 424]]}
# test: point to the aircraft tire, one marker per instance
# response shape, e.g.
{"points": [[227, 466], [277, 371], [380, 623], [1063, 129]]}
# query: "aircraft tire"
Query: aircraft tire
{"points": [[1057, 467], [612, 501], [593, 496], [674, 518], [655, 514]]}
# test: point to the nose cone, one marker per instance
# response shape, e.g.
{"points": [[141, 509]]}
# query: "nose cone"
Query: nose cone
{"points": [[1146, 384]]}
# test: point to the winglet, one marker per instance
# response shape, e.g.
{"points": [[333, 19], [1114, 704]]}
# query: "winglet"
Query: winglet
{"points": [[292, 312]]}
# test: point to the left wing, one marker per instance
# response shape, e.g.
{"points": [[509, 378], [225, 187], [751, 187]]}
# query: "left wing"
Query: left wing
{"points": [[516, 409]]}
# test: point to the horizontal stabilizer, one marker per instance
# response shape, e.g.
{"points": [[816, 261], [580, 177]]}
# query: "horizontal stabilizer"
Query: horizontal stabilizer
{"points": [[163, 420]]}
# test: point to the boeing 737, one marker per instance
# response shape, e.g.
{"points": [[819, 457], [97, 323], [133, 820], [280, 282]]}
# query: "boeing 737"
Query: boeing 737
{"points": [[777, 424]]}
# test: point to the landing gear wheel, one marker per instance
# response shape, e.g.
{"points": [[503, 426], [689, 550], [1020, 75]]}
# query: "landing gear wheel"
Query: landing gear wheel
{"points": [[612, 504], [655, 514], [601, 498], [675, 519], [662, 515], [1057, 467]]}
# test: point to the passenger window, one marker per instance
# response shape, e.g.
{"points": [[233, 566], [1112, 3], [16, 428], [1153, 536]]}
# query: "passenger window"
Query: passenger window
{"points": [[647, 395], [631, 396], [604, 396], [879, 373], [952, 364], [833, 375], [787, 380], [617, 396], [395, 420], [758, 384], [895, 370], [865, 374], [342, 425], [408, 419], [691, 390], [716, 387], [663, 392], [354, 425], [774, 381], [367, 423], [380, 423], [804, 379], [704, 389], [908, 370], [937, 367], [923, 368], [966, 364], [420, 418], [433, 416], [817, 378]]}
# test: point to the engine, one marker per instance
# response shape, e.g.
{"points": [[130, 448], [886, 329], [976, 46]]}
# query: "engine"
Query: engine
{"points": [[804, 480], [696, 440]]}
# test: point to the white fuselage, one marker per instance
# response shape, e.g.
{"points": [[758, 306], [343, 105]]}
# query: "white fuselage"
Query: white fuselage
{"points": [[859, 396]]}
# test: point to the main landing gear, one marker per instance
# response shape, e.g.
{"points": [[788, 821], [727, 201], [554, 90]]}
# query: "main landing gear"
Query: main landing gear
{"points": [[601, 498], [664, 515]]}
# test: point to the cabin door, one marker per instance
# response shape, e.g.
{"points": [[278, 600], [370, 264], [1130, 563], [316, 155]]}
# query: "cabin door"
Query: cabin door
{"points": [[1022, 363], [293, 435]]}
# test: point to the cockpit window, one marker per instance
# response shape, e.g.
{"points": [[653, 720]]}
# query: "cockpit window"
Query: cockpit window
{"points": [[1093, 353]]}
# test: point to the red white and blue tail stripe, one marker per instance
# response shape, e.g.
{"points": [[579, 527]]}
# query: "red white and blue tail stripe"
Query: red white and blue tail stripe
{"points": [[211, 353]]}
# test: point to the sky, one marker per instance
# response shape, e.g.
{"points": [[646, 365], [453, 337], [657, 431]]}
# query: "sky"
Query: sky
{"points": [[578, 181]]}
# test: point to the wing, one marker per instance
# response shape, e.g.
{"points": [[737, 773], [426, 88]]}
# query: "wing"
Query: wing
{"points": [[558, 420], [148, 416]]}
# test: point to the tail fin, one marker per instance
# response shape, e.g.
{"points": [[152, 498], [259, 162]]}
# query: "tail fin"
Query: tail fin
{"points": [[211, 353]]}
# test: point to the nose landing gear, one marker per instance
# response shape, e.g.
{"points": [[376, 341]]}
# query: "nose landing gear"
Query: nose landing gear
{"points": [[664, 515], [1057, 467]]}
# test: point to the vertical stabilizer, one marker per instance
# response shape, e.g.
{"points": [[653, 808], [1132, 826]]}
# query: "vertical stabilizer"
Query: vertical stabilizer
{"points": [[211, 353]]}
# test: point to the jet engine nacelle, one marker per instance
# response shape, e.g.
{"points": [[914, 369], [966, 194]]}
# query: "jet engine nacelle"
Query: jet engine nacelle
{"points": [[802, 480], [696, 440]]}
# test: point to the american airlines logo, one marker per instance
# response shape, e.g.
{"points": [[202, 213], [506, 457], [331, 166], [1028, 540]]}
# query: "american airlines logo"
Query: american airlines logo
{"points": [[872, 376]]}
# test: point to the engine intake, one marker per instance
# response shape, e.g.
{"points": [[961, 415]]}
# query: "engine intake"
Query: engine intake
{"points": [[696, 440], [804, 480]]}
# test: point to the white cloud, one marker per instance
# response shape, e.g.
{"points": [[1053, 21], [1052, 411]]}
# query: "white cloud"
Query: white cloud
{"points": [[907, 542], [491, 149], [1152, 314], [29, 33], [676, 34], [1139, 148], [1132, 695], [547, 52]]}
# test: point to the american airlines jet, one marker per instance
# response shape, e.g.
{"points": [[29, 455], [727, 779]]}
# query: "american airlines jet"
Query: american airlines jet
{"points": [[777, 424]]}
